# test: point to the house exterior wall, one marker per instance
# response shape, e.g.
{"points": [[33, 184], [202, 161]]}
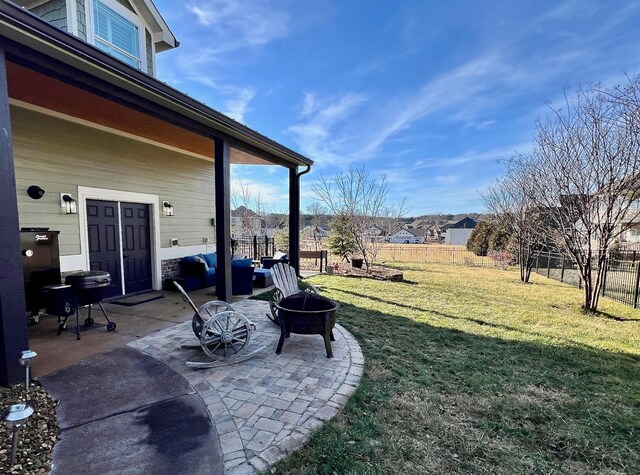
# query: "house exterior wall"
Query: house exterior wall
{"points": [[81, 19], [61, 156], [401, 237], [457, 237], [53, 11]]}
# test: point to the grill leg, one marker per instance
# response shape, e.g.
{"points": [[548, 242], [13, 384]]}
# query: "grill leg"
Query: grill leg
{"points": [[110, 325], [104, 313], [77, 322]]}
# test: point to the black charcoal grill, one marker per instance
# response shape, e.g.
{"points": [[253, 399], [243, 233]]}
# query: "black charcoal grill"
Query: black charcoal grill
{"points": [[86, 289]]}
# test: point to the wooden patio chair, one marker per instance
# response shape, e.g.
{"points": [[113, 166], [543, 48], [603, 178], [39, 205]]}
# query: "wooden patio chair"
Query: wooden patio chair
{"points": [[286, 282]]}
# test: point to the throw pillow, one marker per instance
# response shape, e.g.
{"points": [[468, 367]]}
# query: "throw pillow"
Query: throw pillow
{"points": [[279, 255], [211, 258], [202, 261]]}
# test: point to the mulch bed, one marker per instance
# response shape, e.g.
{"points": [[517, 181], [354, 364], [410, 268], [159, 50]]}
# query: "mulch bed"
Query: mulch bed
{"points": [[36, 438], [376, 272]]}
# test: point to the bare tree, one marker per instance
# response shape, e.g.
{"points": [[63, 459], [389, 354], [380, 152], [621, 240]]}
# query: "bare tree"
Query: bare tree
{"points": [[586, 182], [317, 212], [362, 201], [249, 210], [509, 201]]}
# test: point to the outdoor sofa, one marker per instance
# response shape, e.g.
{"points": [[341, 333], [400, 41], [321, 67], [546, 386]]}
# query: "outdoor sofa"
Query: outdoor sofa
{"points": [[200, 271]]}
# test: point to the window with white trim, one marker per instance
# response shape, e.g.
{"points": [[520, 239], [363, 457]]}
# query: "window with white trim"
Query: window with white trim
{"points": [[116, 35]]}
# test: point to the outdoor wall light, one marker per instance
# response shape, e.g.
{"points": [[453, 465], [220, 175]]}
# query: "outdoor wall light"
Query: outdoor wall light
{"points": [[35, 192], [69, 203], [25, 360], [16, 418], [167, 208]]}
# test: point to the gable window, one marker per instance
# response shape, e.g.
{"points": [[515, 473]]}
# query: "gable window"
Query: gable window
{"points": [[116, 35]]}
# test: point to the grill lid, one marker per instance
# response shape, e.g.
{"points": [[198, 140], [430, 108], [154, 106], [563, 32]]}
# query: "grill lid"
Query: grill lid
{"points": [[90, 279]]}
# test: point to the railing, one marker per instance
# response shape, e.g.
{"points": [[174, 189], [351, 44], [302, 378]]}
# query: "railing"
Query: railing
{"points": [[253, 246], [621, 279]]}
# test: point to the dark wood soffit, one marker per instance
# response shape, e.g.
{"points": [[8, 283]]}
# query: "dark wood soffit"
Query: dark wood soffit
{"points": [[35, 88]]}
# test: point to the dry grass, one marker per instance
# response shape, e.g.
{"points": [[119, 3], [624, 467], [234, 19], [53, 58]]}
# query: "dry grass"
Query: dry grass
{"points": [[469, 371]]}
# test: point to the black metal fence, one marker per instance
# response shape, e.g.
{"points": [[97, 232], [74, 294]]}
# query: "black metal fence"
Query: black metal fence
{"points": [[621, 279], [254, 246]]}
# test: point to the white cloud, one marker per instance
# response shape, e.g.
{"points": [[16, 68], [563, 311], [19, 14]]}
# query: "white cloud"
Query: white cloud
{"points": [[447, 179], [237, 24], [318, 136]]}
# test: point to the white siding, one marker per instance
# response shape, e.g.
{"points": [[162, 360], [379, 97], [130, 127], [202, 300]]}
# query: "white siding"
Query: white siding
{"points": [[457, 237]]}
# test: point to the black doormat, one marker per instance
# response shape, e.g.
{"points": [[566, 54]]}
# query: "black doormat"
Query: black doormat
{"points": [[137, 299]]}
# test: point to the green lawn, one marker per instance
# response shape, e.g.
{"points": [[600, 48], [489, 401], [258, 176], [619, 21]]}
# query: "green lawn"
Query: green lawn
{"points": [[469, 371]]}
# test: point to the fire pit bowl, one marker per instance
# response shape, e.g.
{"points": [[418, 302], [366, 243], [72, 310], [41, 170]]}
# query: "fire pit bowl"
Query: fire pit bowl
{"points": [[307, 314]]}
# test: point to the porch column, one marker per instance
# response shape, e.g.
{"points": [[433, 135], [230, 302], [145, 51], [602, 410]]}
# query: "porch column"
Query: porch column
{"points": [[223, 219], [14, 336], [294, 219]]}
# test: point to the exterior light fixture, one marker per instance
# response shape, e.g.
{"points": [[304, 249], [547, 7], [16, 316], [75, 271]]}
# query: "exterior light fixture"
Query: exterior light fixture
{"points": [[15, 418], [35, 192], [167, 208], [25, 360], [68, 203]]}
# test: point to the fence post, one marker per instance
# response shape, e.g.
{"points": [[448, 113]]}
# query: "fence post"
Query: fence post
{"points": [[548, 264], [635, 293], [562, 271], [538, 263], [255, 247]]}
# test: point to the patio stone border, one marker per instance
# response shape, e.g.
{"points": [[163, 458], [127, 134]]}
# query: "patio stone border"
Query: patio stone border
{"points": [[265, 407]]}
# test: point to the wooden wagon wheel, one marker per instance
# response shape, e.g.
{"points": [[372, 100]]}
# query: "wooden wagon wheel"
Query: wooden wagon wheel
{"points": [[205, 312], [276, 296], [226, 333]]}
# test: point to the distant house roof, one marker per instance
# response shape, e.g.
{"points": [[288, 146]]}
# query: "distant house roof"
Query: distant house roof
{"points": [[417, 232], [464, 223]]}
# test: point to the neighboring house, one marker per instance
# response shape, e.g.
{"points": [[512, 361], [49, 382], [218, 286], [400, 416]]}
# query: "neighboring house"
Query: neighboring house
{"points": [[315, 233], [143, 168], [457, 233], [246, 222], [408, 236], [630, 239]]}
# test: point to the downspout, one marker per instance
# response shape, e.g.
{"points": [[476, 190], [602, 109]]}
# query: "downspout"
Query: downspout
{"points": [[294, 218]]}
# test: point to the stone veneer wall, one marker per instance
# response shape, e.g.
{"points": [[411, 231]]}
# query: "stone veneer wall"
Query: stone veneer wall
{"points": [[171, 269]]}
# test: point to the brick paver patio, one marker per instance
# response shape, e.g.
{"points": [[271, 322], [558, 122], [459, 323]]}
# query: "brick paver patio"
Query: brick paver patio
{"points": [[265, 407]]}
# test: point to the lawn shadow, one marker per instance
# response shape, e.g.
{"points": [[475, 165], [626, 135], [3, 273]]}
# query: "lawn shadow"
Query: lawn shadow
{"points": [[475, 403]]}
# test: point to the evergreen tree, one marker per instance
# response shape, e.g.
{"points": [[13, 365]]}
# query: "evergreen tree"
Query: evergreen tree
{"points": [[340, 241]]}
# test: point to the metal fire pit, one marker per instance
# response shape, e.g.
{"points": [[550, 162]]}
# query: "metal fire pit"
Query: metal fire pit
{"points": [[88, 287], [307, 314]]}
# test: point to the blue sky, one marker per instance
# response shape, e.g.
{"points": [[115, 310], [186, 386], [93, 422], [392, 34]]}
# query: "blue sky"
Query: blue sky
{"points": [[432, 94]]}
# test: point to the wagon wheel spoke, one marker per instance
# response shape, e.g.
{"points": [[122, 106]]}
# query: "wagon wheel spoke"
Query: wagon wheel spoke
{"points": [[211, 340]]}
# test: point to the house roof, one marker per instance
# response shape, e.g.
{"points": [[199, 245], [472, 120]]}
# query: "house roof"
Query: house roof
{"points": [[76, 60], [464, 223]]}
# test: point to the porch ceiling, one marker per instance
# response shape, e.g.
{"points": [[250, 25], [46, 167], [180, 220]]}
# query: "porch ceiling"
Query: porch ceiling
{"points": [[35, 91]]}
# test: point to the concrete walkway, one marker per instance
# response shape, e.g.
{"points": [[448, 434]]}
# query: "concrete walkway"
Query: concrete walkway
{"points": [[142, 410], [125, 412]]}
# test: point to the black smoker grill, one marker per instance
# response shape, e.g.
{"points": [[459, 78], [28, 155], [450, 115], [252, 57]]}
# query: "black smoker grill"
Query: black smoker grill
{"points": [[87, 289], [43, 290]]}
